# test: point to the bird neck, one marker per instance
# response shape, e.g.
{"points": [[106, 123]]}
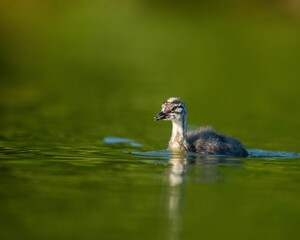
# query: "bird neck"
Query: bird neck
{"points": [[178, 138]]}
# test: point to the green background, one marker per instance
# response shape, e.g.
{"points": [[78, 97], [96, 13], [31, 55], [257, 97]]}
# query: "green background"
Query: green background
{"points": [[75, 72]]}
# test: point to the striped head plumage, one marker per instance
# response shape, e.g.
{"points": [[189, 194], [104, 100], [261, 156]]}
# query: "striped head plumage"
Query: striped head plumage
{"points": [[172, 109]]}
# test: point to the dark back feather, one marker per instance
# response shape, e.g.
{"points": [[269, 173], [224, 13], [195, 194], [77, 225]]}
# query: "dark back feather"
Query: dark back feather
{"points": [[206, 140]]}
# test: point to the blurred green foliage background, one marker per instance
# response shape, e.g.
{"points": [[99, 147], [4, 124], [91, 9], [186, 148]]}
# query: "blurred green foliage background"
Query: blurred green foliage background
{"points": [[235, 63]]}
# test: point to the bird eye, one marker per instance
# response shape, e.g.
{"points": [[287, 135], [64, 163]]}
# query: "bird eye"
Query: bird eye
{"points": [[174, 108]]}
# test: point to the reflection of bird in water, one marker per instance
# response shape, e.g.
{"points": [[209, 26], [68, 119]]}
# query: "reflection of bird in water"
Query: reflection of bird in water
{"points": [[205, 166], [204, 170], [179, 167], [179, 163], [204, 140]]}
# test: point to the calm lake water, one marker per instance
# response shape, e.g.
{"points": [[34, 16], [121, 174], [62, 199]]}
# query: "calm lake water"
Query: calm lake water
{"points": [[81, 156], [83, 180]]}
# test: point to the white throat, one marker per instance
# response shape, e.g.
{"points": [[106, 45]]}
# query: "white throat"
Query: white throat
{"points": [[178, 138]]}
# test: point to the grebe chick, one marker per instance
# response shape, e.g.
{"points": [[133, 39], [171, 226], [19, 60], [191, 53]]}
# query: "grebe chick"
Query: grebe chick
{"points": [[204, 140]]}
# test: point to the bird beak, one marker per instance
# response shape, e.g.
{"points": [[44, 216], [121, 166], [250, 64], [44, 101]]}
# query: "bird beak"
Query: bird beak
{"points": [[160, 116]]}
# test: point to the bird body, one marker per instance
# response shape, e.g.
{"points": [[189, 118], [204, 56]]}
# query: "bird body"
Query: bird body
{"points": [[204, 140]]}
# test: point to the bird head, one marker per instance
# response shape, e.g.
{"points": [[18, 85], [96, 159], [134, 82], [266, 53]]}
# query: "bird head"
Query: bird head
{"points": [[172, 109]]}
